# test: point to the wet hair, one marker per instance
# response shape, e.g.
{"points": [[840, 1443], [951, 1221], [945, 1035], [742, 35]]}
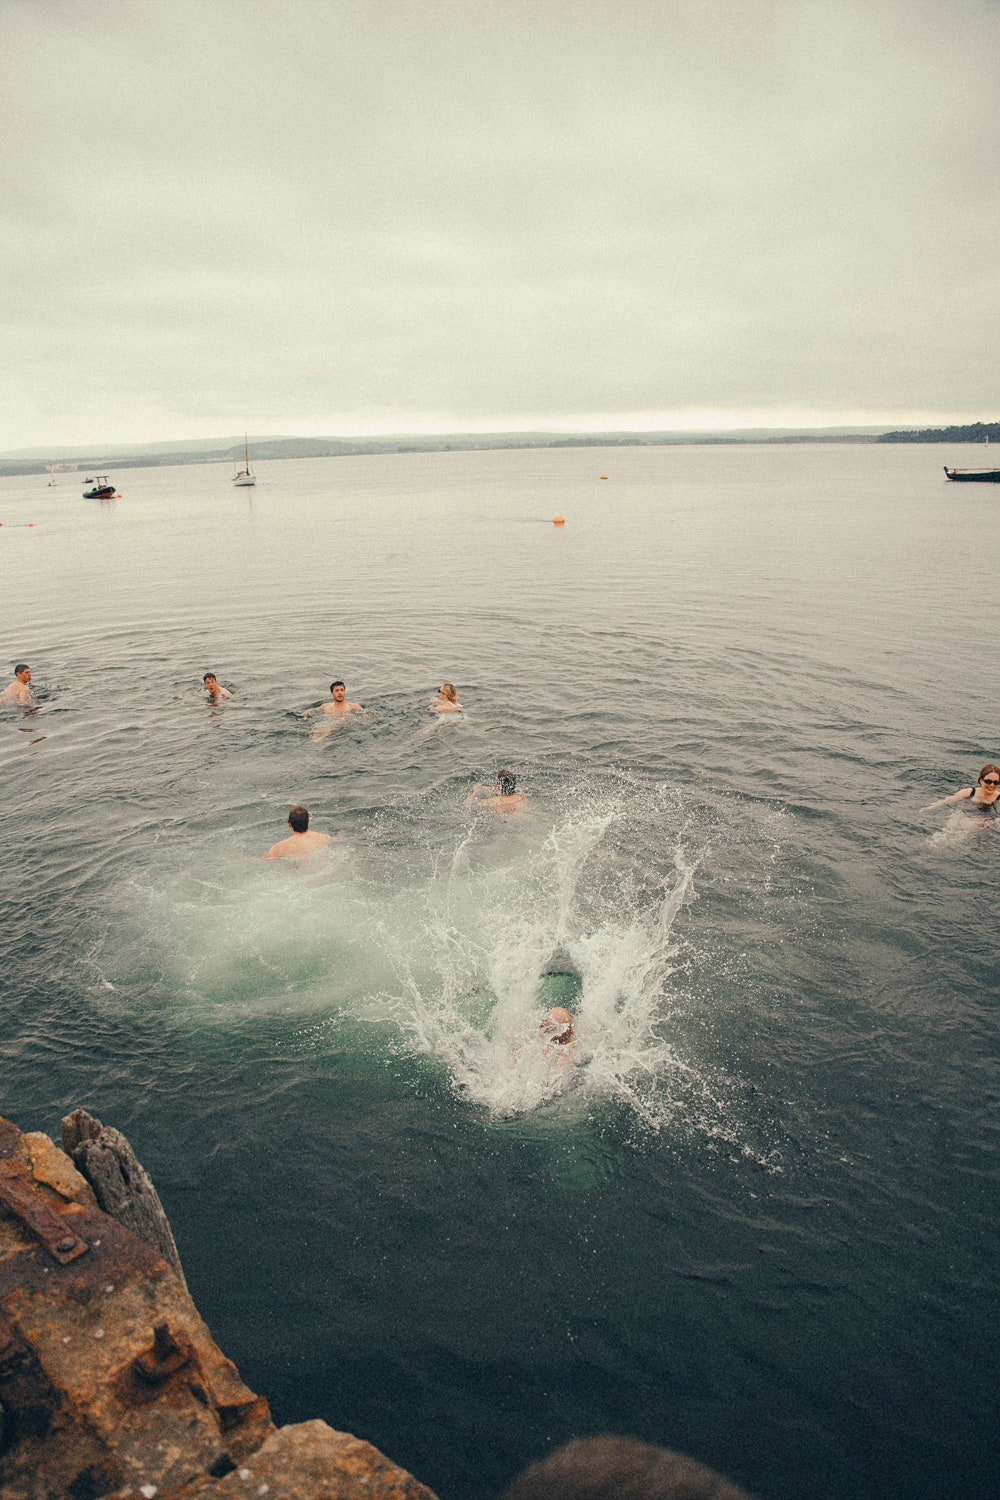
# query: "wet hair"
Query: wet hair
{"points": [[298, 819], [22, 666], [210, 674], [448, 688], [336, 684], [987, 767], [506, 781], [619, 1468]]}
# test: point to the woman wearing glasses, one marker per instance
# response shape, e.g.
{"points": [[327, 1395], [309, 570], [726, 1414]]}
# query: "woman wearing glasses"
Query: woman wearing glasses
{"points": [[981, 796]]}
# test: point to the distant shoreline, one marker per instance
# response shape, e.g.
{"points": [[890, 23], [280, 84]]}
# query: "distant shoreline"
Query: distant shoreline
{"points": [[225, 451]]}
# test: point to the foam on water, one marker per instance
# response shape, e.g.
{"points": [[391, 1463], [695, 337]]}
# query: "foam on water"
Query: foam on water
{"points": [[475, 994], [446, 956]]}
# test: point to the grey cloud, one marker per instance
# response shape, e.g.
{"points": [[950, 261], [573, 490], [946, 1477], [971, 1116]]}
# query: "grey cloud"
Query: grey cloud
{"points": [[478, 210]]}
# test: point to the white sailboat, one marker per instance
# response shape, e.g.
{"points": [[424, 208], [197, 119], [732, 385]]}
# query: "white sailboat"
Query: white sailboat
{"points": [[245, 475]]}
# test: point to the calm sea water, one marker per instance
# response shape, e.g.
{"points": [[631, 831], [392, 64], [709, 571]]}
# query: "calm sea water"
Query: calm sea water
{"points": [[757, 1220]]}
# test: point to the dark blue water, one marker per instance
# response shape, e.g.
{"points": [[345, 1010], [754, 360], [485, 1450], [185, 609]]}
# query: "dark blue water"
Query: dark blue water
{"points": [[755, 1220]]}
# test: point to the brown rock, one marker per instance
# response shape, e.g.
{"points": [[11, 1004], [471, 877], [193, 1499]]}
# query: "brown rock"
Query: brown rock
{"points": [[111, 1385], [53, 1167], [311, 1461]]}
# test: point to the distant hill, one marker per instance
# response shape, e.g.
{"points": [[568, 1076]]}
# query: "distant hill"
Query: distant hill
{"points": [[975, 432], [227, 450]]}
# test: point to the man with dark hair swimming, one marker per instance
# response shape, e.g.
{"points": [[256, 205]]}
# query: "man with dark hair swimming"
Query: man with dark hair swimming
{"points": [[18, 691], [216, 692], [339, 705], [504, 797], [301, 842]]}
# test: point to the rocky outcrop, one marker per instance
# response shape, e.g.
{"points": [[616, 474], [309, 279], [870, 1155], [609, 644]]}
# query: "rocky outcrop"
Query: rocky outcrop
{"points": [[312, 1460], [110, 1382], [122, 1186]]}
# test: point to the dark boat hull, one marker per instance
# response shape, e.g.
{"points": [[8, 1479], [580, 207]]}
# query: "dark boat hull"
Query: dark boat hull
{"points": [[973, 476]]}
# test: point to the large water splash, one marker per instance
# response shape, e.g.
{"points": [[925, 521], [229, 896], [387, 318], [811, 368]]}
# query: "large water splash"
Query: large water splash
{"points": [[496, 933], [445, 956]]}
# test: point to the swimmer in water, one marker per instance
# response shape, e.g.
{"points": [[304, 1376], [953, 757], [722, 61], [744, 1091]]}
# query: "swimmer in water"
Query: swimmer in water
{"points": [[446, 701], [338, 706], [979, 800], [982, 795], [302, 843], [19, 691], [216, 692], [556, 1027], [504, 797]]}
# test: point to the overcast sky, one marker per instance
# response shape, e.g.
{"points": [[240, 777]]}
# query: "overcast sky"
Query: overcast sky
{"points": [[367, 216]]}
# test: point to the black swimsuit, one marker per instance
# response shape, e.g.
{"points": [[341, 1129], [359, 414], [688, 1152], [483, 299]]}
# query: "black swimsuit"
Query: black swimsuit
{"points": [[986, 808]]}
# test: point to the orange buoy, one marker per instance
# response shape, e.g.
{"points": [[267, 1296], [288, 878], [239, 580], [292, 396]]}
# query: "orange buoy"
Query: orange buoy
{"points": [[604, 476], [559, 520]]}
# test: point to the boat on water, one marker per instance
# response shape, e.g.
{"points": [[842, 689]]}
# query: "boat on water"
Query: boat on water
{"points": [[102, 489], [973, 476], [245, 475]]}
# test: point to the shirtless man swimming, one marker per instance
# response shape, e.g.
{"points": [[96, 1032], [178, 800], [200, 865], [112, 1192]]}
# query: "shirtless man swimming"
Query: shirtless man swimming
{"points": [[504, 798], [216, 692], [338, 707], [18, 691], [301, 843]]}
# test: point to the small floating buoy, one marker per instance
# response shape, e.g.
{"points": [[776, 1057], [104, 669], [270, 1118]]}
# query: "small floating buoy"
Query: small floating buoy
{"points": [[559, 520], [604, 476]]}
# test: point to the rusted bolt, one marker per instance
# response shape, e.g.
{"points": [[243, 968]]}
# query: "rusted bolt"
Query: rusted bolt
{"points": [[167, 1353], [163, 1342]]}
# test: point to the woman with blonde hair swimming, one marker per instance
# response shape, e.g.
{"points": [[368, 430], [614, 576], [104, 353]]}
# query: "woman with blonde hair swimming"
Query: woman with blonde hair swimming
{"points": [[446, 701]]}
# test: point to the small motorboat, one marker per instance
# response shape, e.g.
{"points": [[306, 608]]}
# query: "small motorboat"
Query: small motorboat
{"points": [[102, 489], [973, 476]]}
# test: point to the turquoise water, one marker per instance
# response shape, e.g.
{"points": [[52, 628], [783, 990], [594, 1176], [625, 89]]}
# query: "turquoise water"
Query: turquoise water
{"points": [[754, 1219]]}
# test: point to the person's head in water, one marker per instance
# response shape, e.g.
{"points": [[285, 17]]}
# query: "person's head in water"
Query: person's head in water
{"points": [[557, 1025], [619, 1468], [298, 819], [506, 783], [989, 777], [22, 666], [339, 691], [447, 690]]}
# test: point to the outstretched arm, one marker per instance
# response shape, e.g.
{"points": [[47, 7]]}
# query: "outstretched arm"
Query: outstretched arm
{"points": [[961, 796]]}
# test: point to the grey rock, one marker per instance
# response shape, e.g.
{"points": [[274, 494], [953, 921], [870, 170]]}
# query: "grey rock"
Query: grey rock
{"points": [[121, 1184]]}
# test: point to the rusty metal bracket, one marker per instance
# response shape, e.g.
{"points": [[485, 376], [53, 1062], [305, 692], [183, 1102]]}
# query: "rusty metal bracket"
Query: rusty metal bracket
{"points": [[48, 1226]]}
